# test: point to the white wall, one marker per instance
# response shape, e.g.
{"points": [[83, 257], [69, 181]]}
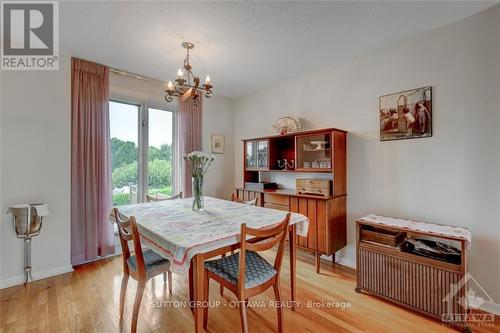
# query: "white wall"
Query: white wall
{"points": [[451, 178], [218, 119], [35, 166]]}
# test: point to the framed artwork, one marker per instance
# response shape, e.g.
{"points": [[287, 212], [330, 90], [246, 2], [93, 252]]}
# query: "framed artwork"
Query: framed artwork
{"points": [[218, 144], [406, 114]]}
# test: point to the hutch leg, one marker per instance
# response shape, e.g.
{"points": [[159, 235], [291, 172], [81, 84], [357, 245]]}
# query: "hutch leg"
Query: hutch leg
{"points": [[333, 258], [318, 262]]}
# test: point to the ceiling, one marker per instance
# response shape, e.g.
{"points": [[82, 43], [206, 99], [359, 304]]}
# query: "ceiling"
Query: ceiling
{"points": [[244, 46]]}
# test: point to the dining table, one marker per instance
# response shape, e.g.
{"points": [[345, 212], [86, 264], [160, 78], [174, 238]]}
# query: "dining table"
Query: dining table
{"points": [[188, 237]]}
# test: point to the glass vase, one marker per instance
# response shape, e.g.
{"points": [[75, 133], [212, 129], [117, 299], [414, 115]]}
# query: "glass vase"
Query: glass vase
{"points": [[198, 203]]}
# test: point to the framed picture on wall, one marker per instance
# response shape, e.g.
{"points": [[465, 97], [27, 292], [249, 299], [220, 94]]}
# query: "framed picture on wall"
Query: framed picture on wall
{"points": [[218, 144], [406, 114]]}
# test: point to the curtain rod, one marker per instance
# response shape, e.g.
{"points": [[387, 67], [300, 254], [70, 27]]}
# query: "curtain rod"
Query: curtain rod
{"points": [[135, 76]]}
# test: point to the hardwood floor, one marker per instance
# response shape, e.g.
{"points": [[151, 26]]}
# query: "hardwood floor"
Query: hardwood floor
{"points": [[87, 301]]}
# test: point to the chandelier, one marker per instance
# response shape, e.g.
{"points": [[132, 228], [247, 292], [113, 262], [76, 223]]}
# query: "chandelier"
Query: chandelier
{"points": [[187, 85]]}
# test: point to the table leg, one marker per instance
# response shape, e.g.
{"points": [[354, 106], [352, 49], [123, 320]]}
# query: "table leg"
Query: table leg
{"points": [[198, 275], [293, 260]]}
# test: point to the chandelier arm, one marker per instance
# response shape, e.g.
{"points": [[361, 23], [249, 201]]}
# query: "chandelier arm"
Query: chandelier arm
{"points": [[188, 80], [196, 87]]}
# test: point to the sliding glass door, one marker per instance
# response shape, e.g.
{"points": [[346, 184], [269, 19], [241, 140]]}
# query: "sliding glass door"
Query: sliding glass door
{"points": [[160, 152], [143, 159], [124, 131]]}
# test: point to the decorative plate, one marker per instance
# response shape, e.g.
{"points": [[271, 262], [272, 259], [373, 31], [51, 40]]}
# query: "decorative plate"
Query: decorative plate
{"points": [[286, 125]]}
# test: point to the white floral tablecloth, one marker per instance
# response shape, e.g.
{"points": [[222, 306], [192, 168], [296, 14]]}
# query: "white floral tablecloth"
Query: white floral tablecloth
{"points": [[429, 228], [178, 233]]}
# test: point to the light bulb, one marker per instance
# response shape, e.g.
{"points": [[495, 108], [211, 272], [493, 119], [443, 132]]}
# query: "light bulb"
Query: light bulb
{"points": [[170, 86], [179, 74], [207, 80]]}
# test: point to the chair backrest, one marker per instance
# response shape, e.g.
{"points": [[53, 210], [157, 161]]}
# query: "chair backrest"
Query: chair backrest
{"points": [[127, 230], [252, 202], [160, 197], [271, 236]]}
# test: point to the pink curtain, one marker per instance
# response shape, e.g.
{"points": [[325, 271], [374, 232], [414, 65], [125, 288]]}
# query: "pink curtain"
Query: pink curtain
{"points": [[91, 232], [189, 138]]}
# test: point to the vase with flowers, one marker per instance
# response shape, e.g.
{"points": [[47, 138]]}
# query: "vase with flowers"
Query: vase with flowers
{"points": [[198, 162]]}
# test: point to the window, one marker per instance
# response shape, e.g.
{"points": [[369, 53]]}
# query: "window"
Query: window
{"points": [[142, 151], [160, 152], [124, 132]]}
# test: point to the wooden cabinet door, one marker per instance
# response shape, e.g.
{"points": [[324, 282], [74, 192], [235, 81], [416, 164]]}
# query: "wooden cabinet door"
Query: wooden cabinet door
{"points": [[323, 228], [263, 154], [256, 155], [307, 207], [251, 155]]}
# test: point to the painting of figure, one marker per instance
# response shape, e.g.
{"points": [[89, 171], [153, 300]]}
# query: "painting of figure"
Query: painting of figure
{"points": [[406, 114]]}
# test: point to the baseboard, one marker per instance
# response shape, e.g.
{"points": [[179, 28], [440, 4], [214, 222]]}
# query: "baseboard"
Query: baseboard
{"points": [[341, 261], [37, 275], [490, 307]]}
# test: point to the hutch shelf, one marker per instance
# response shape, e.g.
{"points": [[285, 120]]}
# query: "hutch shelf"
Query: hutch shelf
{"points": [[318, 151]]}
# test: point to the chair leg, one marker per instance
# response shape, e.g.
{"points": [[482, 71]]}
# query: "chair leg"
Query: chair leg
{"points": [[170, 282], [164, 277], [206, 293], [123, 291], [277, 294], [137, 304], [243, 315], [221, 288]]}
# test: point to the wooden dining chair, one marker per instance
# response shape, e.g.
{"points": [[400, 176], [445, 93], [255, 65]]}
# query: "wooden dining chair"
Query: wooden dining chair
{"points": [[234, 198], [141, 266], [156, 198], [246, 273], [252, 202]]}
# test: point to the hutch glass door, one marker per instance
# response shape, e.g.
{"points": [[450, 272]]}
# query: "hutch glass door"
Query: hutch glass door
{"points": [[256, 155]]}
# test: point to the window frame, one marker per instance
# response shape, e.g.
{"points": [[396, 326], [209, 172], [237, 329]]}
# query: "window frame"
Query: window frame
{"points": [[175, 157], [143, 142]]}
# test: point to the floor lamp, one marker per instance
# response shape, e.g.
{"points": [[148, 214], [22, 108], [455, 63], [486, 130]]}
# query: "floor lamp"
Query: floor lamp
{"points": [[27, 220]]}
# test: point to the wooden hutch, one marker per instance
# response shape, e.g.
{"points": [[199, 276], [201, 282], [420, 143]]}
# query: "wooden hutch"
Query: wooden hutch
{"points": [[326, 213]]}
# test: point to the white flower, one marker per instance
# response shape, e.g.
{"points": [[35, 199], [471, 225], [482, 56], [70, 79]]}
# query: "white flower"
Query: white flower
{"points": [[198, 162], [199, 154]]}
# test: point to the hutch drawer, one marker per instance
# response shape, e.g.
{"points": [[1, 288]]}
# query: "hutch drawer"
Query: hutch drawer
{"points": [[275, 206], [276, 199]]}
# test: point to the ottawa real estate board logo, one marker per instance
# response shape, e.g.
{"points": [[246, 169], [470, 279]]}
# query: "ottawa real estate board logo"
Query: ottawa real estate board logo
{"points": [[30, 35]]}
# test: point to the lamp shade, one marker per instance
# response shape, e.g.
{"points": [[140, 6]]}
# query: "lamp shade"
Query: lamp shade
{"points": [[28, 218]]}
